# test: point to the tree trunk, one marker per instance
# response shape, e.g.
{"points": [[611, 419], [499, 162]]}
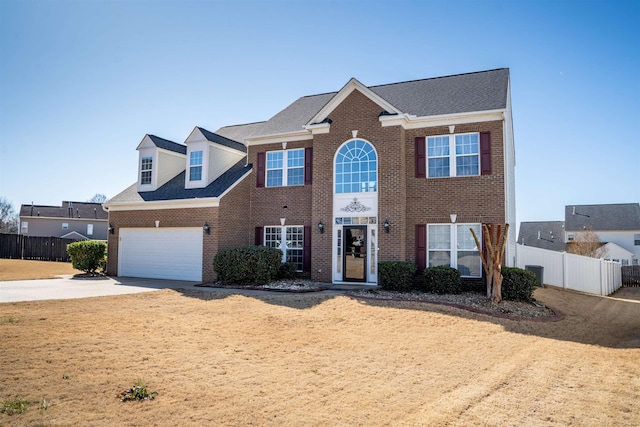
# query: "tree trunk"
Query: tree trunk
{"points": [[495, 243]]}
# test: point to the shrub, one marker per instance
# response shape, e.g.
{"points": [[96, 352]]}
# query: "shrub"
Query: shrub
{"points": [[15, 406], [518, 284], [87, 255], [396, 275], [248, 264], [442, 280], [287, 270], [137, 392]]}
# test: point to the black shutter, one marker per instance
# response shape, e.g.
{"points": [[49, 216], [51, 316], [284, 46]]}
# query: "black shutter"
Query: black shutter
{"points": [[421, 246], [259, 236], [306, 249], [308, 166], [421, 163], [260, 171], [485, 153]]}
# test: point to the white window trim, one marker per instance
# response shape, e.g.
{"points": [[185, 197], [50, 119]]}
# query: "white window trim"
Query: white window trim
{"points": [[200, 165], [89, 229], [283, 238], [285, 169], [24, 227], [65, 225], [452, 156], [453, 249], [149, 170]]}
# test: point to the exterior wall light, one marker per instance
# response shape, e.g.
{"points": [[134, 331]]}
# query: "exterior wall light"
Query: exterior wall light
{"points": [[453, 217], [321, 227], [206, 228], [386, 225], [111, 230]]}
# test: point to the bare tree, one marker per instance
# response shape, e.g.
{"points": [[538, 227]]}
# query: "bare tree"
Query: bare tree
{"points": [[587, 243], [98, 198], [495, 242], [8, 218]]}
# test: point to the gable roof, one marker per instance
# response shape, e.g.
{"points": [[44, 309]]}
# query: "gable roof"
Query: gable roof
{"points": [[461, 93], [174, 189], [613, 217], [168, 145], [551, 235], [219, 139], [71, 210]]}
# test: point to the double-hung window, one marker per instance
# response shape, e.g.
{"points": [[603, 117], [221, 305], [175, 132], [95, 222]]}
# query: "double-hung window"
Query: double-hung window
{"points": [[145, 170], [195, 166], [285, 168], [453, 245], [290, 240], [453, 155]]}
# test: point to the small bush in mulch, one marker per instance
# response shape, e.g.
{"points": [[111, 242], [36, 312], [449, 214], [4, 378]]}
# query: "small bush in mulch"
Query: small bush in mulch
{"points": [[248, 264], [442, 280], [518, 284], [287, 271], [396, 275]]}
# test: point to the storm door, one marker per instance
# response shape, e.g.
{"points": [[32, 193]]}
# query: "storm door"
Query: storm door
{"points": [[355, 253]]}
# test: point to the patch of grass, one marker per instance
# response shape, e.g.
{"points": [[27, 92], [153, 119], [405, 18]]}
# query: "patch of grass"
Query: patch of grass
{"points": [[9, 319], [15, 406], [137, 392]]}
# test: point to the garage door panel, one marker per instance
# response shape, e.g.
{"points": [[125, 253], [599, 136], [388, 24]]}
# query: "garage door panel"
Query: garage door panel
{"points": [[161, 253]]}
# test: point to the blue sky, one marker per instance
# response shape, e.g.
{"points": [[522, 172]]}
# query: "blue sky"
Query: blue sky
{"points": [[81, 83]]}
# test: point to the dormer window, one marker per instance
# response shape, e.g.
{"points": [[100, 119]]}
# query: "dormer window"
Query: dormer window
{"points": [[195, 166], [145, 170]]}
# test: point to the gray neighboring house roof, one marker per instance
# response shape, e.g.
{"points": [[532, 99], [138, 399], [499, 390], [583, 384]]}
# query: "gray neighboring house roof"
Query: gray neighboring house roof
{"points": [[174, 189], [613, 217], [168, 145], [68, 209], [462, 93], [551, 235]]}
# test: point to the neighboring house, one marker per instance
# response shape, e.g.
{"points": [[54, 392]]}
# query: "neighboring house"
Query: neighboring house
{"points": [[543, 234], [71, 220], [338, 181], [617, 227], [618, 224]]}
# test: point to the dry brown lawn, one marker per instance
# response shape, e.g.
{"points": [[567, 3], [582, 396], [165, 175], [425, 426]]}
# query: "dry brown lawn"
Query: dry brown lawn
{"points": [[314, 360], [16, 269]]}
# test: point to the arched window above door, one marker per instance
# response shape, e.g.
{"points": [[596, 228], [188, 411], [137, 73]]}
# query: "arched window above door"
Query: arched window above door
{"points": [[356, 168]]}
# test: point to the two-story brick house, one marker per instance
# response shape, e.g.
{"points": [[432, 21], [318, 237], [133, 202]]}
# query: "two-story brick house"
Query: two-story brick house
{"points": [[339, 181]]}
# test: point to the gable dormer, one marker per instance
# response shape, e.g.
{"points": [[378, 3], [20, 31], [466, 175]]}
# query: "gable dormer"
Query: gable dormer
{"points": [[159, 161], [208, 156]]}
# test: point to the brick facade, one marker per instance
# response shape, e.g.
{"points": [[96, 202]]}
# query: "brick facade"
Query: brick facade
{"points": [[404, 200]]}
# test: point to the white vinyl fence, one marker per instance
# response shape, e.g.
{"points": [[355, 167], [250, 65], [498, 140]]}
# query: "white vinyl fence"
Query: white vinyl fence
{"points": [[569, 271]]}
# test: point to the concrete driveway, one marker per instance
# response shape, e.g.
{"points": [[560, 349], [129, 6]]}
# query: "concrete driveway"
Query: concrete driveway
{"points": [[68, 287]]}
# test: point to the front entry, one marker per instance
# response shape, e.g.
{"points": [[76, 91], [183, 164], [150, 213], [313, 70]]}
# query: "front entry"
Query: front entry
{"points": [[355, 253]]}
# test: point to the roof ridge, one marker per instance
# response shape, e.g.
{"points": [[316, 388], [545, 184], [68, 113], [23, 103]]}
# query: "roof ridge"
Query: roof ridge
{"points": [[240, 124], [411, 81], [440, 77]]}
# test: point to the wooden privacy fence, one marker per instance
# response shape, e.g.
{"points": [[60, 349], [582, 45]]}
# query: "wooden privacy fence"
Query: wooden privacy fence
{"points": [[631, 276], [18, 246]]}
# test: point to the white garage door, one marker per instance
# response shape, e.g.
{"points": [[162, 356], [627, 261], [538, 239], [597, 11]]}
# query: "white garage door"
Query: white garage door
{"points": [[161, 253]]}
